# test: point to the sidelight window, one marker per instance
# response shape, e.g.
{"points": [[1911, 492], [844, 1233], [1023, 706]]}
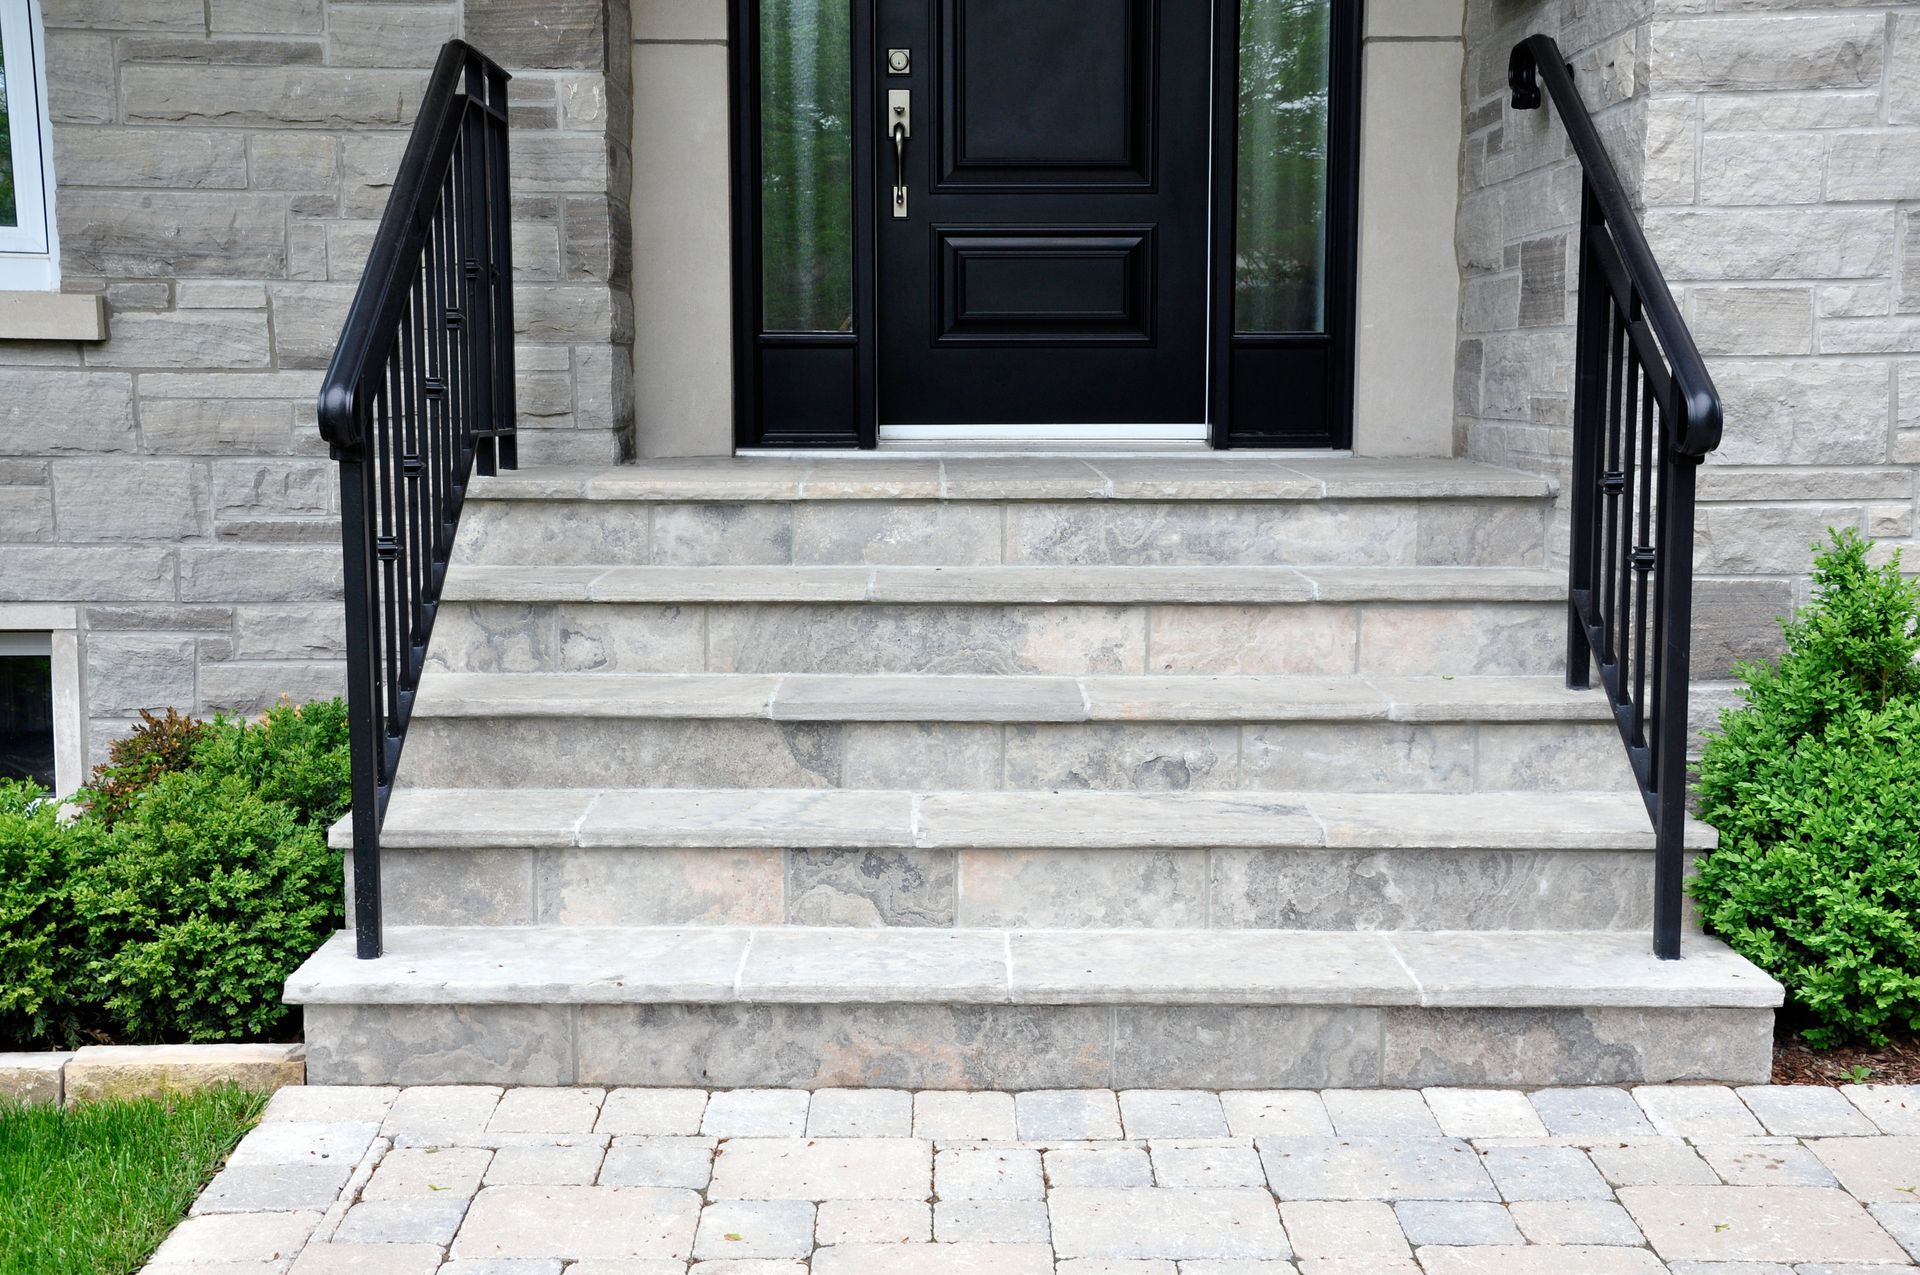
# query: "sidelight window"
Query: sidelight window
{"points": [[1280, 241], [806, 166], [26, 708]]}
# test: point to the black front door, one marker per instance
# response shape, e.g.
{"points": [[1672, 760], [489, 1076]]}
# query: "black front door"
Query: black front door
{"points": [[1041, 211]]}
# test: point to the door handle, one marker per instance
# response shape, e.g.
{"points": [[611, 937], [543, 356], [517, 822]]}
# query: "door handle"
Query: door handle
{"points": [[900, 128]]}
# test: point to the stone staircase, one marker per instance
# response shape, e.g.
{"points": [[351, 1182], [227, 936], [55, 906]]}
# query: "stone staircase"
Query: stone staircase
{"points": [[1022, 772]]}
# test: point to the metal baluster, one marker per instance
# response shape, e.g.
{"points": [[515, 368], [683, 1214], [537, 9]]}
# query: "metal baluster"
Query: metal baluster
{"points": [[1644, 557], [1610, 481]]}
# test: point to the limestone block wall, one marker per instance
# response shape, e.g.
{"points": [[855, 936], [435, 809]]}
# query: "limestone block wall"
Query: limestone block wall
{"points": [[220, 169], [1775, 151]]}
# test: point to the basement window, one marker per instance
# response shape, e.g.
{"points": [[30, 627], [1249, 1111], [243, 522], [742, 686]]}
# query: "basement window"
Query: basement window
{"points": [[26, 708], [27, 248]]}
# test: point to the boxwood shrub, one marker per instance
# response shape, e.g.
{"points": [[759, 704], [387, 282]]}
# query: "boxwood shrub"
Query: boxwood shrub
{"points": [[191, 881], [1814, 785]]}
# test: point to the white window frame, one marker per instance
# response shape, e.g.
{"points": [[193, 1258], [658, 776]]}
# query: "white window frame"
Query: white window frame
{"points": [[30, 251], [53, 630]]}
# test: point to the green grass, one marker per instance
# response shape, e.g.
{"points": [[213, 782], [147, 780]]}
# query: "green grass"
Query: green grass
{"points": [[93, 1190]]}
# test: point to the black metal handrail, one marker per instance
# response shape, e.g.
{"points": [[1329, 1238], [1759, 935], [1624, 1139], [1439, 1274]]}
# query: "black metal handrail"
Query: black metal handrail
{"points": [[419, 393], [1630, 580]]}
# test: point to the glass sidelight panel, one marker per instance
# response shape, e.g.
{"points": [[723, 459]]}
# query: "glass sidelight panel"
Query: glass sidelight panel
{"points": [[26, 711], [806, 166], [1280, 222], [9, 198]]}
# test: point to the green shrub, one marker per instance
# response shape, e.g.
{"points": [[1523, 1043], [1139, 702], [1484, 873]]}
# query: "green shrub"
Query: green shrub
{"points": [[42, 987], [158, 746], [204, 897], [1814, 786], [297, 754]]}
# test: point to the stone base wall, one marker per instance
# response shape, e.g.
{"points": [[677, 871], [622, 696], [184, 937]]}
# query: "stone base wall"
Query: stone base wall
{"points": [[1773, 154], [221, 166]]}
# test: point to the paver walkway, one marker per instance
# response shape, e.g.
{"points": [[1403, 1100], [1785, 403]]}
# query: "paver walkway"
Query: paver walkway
{"points": [[1695, 1180]]}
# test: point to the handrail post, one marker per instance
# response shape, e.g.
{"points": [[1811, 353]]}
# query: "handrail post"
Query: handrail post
{"points": [[1672, 675], [1589, 401], [363, 726]]}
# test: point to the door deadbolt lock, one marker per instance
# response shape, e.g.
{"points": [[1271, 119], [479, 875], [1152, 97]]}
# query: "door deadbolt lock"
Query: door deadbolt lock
{"points": [[899, 61], [899, 126]]}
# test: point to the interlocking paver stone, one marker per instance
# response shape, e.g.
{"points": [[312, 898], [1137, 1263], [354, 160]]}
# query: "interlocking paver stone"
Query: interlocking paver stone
{"points": [[1892, 1108], [652, 1111], [444, 1113], [754, 1228], [273, 1188], [685, 1162], [334, 1142], [1374, 1169], [1598, 1112], [1207, 1164], [1253, 1266], [860, 1113], [1120, 1266], [982, 1173], [1066, 1115], [561, 1164], [1165, 1222], [578, 1222], [427, 1171], [934, 1259], [1757, 1223], [1172, 1113], [1379, 1113], [1276, 1113], [1805, 1111], [1098, 1166], [990, 1221], [504, 1266], [1544, 1173], [1874, 1169], [413, 1220], [873, 1222], [355, 1259], [756, 1113], [238, 1237], [1697, 1111], [1343, 1229], [1575, 1222], [629, 1266], [1651, 1162], [1534, 1260], [1902, 1221], [830, 1169], [329, 1103], [546, 1111], [1455, 1222], [1765, 1162], [947, 1114], [1484, 1113]]}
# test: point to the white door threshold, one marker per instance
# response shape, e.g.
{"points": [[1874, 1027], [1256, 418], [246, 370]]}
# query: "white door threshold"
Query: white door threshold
{"points": [[1041, 433]]}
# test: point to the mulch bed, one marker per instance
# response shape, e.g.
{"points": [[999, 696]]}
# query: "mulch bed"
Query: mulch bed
{"points": [[1897, 1063]]}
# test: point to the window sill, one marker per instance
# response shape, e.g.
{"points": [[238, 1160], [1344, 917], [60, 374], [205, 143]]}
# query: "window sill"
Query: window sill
{"points": [[52, 316]]}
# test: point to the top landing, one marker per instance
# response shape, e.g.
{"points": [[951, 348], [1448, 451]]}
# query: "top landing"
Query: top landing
{"points": [[1239, 476]]}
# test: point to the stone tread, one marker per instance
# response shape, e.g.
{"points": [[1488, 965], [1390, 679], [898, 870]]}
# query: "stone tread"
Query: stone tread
{"points": [[1098, 477], [1034, 698], [842, 818], [792, 965], [1015, 585]]}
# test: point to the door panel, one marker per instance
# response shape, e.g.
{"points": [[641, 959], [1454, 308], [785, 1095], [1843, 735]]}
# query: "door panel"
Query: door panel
{"points": [[1052, 265]]}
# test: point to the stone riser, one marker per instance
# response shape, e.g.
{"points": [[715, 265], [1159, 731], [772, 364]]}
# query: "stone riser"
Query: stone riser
{"points": [[1455, 639], [1343, 756], [946, 1046], [1431, 889], [1468, 532]]}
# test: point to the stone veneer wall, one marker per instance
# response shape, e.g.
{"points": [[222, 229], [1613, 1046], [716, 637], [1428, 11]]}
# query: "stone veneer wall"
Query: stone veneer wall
{"points": [[221, 166], [1771, 151]]}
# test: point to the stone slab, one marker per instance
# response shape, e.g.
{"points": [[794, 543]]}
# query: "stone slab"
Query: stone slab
{"points": [[32, 1078], [1746, 1223], [97, 1072]]}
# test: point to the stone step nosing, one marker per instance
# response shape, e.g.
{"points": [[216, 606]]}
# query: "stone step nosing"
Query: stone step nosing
{"points": [[1436, 970]]}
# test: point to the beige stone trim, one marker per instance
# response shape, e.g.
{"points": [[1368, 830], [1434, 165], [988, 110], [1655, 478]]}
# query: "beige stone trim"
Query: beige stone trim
{"points": [[52, 316], [142, 1071]]}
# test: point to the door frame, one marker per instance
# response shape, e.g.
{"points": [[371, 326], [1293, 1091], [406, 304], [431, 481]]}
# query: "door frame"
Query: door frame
{"points": [[832, 378]]}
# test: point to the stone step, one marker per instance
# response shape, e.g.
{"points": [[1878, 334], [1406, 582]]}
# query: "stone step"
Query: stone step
{"points": [[1322, 861], [1452, 533], [1120, 733], [736, 1006], [1003, 620]]}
